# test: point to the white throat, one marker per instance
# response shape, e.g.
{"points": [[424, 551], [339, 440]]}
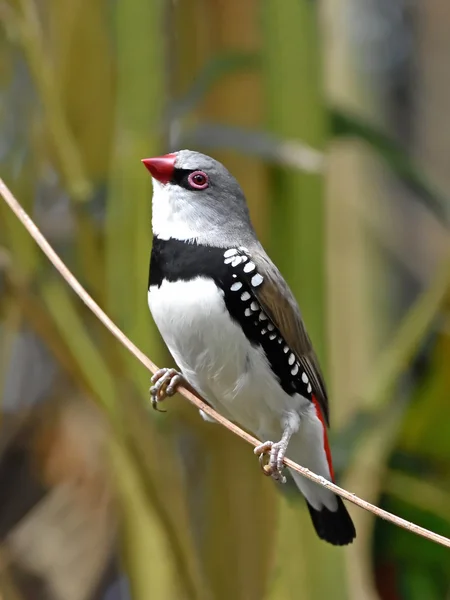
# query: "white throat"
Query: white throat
{"points": [[166, 222]]}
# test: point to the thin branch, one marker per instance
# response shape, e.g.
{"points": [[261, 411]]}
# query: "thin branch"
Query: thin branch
{"points": [[193, 398]]}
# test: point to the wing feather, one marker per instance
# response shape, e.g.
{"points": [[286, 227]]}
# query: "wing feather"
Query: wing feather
{"points": [[278, 301]]}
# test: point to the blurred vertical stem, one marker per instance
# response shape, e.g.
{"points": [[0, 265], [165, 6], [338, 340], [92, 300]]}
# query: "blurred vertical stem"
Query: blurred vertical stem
{"points": [[146, 550], [80, 47], [63, 309], [140, 97], [22, 246], [291, 67], [9, 327], [46, 38], [64, 143], [356, 276], [295, 103]]}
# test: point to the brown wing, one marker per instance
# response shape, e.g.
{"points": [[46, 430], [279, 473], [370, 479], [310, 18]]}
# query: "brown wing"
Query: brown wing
{"points": [[279, 303]]}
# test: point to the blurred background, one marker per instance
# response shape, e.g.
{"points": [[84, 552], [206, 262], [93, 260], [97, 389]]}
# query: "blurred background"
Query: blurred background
{"points": [[333, 117]]}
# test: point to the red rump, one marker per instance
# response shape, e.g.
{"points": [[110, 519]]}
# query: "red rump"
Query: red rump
{"points": [[326, 446], [161, 167]]}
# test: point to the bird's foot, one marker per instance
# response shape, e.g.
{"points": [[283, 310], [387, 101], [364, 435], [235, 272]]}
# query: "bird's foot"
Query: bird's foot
{"points": [[164, 383], [274, 467], [206, 417]]}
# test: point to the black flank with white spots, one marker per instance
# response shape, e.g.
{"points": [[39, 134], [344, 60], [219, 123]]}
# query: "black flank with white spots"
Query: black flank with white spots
{"points": [[235, 274]]}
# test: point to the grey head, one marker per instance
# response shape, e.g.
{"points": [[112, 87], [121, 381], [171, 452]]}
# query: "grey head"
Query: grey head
{"points": [[196, 198]]}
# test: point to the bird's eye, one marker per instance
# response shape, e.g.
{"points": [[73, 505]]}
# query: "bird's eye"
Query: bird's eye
{"points": [[198, 180]]}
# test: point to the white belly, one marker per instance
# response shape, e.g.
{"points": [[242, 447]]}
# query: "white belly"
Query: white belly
{"points": [[216, 357]]}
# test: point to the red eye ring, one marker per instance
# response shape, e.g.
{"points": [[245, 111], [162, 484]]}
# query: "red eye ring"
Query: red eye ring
{"points": [[198, 180]]}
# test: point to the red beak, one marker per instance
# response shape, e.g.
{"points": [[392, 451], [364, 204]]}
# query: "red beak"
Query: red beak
{"points": [[161, 167]]}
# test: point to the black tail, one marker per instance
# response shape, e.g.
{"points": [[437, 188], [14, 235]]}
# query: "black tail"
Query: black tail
{"points": [[335, 527]]}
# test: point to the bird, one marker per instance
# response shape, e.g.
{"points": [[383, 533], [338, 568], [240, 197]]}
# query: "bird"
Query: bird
{"points": [[234, 328]]}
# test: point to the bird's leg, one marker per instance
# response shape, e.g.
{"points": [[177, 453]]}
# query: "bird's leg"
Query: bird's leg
{"points": [[164, 383], [277, 451]]}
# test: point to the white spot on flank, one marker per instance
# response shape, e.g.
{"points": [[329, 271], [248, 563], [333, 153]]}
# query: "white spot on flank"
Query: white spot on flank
{"points": [[234, 275], [294, 371], [262, 316], [263, 331], [247, 312], [250, 266], [227, 261], [309, 388], [272, 336], [245, 296], [291, 359], [254, 306], [280, 340], [243, 248], [257, 279], [286, 349], [270, 327], [237, 261], [236, 286], [305, 377], [230, 252]]}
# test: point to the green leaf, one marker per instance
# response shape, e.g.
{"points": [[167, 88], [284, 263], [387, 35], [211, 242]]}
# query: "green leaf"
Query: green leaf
{"points": [[145, 548], [397, 160], [61, 305], [213, 72], [140, 44], [292, 78]]}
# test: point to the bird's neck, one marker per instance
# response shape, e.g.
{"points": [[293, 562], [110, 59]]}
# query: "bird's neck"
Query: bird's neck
{"points": [[205, 226]]}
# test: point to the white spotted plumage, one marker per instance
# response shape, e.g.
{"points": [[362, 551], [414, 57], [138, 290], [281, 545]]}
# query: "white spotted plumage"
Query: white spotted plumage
{"points": [[238, 256], [230, 252], [257, 280], [238, 260]]}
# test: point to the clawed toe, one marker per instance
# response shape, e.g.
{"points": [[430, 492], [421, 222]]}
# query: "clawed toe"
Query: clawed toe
{"points": [[274, 467], [165, 382]]}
